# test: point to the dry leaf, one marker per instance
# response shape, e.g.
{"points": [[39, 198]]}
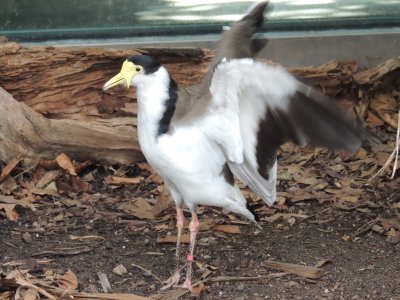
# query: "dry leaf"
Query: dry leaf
{"points": [[395, 222], [265, 211], [22, 202], [348, 198], [163, 201], [68, 281], [369, 173], [386, 107], [378, 229], [234, 229], [198, 289], [65, 162], [299, 270], [373, 120], [294, 169], [43, 192], [160, 227], [155, 178], [9, 209], [80, 185], [20, 280], [301, 196], [384, 103], [9, 167], [382, 158], [120, 270], [308, 180], [322, 262], [8, 186], [140, 208], [394, 238], [361, 154], [276, 216], [145, 167], [320, 186], [28, 294], [47, 178]]}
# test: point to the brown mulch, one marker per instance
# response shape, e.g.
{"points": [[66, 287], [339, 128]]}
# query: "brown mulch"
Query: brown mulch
{"points": [[82, 230]]}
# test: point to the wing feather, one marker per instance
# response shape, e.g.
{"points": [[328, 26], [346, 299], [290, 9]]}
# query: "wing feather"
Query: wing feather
{"points": [[258, 107], [236, 42]]}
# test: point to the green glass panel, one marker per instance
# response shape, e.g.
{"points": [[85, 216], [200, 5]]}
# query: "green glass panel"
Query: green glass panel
{"points": [[30, 20]]}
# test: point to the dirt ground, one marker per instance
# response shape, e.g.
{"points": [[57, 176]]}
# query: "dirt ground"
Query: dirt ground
{"points": [[355, 242]]}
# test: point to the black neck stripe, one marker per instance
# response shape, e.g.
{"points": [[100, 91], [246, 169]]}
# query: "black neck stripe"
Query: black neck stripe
{"points": [[170, 105]]}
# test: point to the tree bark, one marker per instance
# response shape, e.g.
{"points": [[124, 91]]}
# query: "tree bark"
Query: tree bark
{"points": [[24, 131], [67, 83], [53, 101]]}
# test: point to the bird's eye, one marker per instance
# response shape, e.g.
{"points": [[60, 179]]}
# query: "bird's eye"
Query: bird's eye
{"points": [[138, 69]]}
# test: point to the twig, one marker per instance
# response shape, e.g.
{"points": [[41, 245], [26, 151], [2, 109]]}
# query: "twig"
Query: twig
{"points": [[243, 278], [23, 282], [397, 146], [299, 270], [394, 155], [365, 228], [27, 170], [175, 294], [314, 215], [64, 252], [148, 272], [385, 165], [11, 245], [80, 238], [105, 284]]}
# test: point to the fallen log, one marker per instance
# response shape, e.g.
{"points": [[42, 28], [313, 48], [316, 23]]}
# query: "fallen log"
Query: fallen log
{"points": [[53, 101], [26, 132], [67, 82]]}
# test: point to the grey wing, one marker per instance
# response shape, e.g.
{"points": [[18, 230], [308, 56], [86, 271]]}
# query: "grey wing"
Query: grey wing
{"points": [[237, 42], [272, 108]]}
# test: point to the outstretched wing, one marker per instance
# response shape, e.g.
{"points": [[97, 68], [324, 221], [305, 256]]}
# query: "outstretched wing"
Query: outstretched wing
{"points": [[237, 42], [256, 107]]}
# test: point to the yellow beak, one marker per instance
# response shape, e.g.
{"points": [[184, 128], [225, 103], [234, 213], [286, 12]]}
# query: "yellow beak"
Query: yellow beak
{"points": [[128, 71]]}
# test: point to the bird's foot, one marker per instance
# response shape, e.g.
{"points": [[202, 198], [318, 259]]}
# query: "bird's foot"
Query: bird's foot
{"points": [[187, 284], [172, 281]]}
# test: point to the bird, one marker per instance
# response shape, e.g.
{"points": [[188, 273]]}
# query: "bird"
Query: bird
{"points": [[229, 125]]}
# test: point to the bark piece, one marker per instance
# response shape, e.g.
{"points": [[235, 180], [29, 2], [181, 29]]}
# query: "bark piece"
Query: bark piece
{"points": [[26, 132], [67, 82]]}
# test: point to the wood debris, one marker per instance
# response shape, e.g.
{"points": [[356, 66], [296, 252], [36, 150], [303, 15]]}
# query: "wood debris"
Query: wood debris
{"points": [[299, 270], [9, 167], [117, 180], [65, 162], [84, 175]]}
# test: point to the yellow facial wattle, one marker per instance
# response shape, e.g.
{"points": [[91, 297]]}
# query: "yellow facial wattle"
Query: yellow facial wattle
{"points": [[128, 71]]}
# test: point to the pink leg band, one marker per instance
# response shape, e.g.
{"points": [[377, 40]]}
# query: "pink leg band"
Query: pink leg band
{"points": [[190, 257]]}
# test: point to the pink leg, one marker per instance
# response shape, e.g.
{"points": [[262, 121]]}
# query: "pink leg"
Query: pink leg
{"points": [[180, 222], [174, 279], [193, 229]]}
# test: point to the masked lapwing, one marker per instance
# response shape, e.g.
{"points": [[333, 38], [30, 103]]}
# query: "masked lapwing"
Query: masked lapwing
{"points": [[232, 123]]}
